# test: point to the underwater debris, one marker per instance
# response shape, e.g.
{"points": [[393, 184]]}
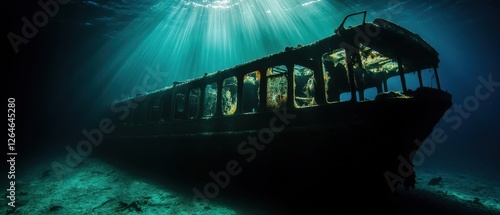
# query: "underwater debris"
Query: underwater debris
{"points": [[477, 201], [101, 205], [390, 95], [435, 181], [47, 173], [133, 206], [55, 208]]}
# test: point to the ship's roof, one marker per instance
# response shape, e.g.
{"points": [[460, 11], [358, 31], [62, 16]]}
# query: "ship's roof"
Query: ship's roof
{"points": [[386, 38]]}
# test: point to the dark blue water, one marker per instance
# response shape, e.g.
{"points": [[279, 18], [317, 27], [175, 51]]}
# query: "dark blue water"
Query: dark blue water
{"points": [[90, 53]]}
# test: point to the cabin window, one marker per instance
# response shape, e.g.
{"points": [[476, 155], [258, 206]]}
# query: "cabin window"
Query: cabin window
{"points": [[210, 104], [194, 102], [180, 101], [155, 110], [374, 62], [251, 87], [369, 94], [394, 84], [412, 81], [229, 95], [428, 78], [304, 84], [345, 97], [374, 70], [335, 74], [277, 86]]}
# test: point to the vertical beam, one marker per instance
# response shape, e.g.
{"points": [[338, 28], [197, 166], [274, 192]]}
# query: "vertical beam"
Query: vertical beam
{"points": [[361, 94], [319, 86], [352, 83], [380, 84], [263, 90], [402, 75], [201, 102], [290, 79], [420, 78], [173, 105], [437, 77], [239, 96], [218, 106], [386, 89]]}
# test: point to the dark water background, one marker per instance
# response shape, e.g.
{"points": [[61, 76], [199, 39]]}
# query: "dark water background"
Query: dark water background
{"points": [[93, 52]]}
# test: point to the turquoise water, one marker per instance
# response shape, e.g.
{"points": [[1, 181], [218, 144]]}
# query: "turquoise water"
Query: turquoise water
{"points": [[90, 53]]}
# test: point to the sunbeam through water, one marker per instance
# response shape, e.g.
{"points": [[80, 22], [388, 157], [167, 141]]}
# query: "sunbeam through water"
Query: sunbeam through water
{"points": [[185, 39]]}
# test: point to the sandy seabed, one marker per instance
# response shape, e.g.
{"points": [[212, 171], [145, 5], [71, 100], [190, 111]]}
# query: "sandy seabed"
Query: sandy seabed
{"points": [[96, 187]]}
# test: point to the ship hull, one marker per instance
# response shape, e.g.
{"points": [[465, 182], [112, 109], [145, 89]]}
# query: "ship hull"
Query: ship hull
{"points": [[367, 145]]}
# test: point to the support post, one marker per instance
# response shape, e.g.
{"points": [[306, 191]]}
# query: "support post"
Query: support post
{"points": [[437, 77], [352, 83], [263, 90], [218, 108], [402, 75], [319, 86], [239, 97], [290, 97], [420, 78], [386, 89]]}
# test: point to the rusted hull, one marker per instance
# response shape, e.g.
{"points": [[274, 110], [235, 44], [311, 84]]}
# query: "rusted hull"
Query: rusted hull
{"points": [[357, 141]]}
